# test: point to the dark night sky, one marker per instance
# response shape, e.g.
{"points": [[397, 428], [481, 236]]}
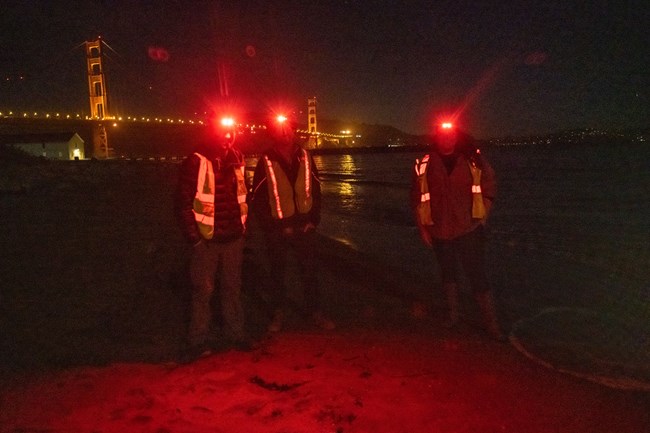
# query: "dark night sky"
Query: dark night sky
{"points": [[510, 67]]}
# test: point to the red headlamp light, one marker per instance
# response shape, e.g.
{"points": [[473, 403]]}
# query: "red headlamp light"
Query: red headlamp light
{"points": [[226, 128], [227, 122]]}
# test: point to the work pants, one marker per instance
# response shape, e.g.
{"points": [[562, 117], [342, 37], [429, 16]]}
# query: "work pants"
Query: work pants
{"points": [[468, 251], [302, 245], [209, 260]]}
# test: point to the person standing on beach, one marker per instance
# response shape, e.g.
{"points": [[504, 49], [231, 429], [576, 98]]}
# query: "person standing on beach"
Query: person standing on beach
{"points": [[286, 199], [212, 210], [453, 188]]}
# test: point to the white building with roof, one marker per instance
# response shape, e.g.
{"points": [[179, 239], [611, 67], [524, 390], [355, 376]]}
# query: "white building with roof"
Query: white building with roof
{"points": [[59, 145]]}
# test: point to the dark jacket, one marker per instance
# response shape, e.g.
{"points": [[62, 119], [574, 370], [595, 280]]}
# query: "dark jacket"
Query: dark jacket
{"points": [[450, 190], [227, 216], [260, 193]]}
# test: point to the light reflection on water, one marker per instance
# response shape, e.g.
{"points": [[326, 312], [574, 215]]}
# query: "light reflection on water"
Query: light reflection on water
{"points": [[337, 164], [366, 186], [344, 191]]}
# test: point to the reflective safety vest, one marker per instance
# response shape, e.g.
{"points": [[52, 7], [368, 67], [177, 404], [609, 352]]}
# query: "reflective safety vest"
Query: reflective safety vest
{"points": [[285, 200], [423, 208], [203, 206]]}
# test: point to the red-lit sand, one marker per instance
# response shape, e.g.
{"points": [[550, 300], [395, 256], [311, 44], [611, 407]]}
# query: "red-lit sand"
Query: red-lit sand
{"points": [[347, 381], [89, 281]]}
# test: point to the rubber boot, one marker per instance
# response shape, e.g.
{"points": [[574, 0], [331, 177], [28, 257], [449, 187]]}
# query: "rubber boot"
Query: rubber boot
{"points": [[451, 293], [486, 304]]}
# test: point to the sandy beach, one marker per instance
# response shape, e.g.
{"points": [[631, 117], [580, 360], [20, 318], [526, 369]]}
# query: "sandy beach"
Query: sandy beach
{"points": [[93, 306]]}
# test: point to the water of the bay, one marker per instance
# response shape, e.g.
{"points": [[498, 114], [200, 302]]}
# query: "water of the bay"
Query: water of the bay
{"points": [[568, 257]]}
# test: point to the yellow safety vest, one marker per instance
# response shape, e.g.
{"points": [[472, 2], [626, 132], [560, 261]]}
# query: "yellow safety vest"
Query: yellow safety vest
{"points": [[284, 198], [423, 208], [203, 206]]}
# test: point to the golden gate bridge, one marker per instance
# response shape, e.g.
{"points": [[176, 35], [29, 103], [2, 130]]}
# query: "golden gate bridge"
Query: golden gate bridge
{"points": [[110, 135]]}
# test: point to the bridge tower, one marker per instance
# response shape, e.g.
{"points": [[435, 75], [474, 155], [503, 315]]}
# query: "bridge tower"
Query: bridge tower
{"points": [[311, 122], [96, 81], [98, 96]]}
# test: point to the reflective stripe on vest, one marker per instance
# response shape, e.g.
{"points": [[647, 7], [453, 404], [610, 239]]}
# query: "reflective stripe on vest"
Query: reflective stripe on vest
{"points": [[423, 209], [420, 171], [307, 174], [203, 207], [302, 189], [274, 194], [478, 207], [285, 199]]}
